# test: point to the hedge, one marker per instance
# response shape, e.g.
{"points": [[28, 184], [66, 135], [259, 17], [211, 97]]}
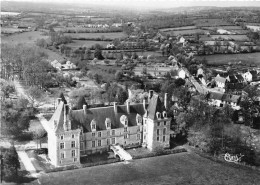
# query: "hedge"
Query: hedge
{"points": [[165, 152]]}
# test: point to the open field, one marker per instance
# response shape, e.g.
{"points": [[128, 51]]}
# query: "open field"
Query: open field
{"points": [[181, 168], [179, 28], [229, 37], [109, 35], [248, 58], [211, 22], [86, 43], [185, 32], [24, 38]]}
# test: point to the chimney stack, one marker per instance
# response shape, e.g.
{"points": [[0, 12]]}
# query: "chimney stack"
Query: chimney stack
{"points": [[128, 107], [115, 107], [144, 104], [165, 100], [85, 109]]}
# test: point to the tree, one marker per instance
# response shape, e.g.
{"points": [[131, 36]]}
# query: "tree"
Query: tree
{"points": [[37, 135], [122, 96], [118, 75], [98, 54], [35, 95], [81, 102], [63, 98], [179, 82], [11, 163], [7, 88]]}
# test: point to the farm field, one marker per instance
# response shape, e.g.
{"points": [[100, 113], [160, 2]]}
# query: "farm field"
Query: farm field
{"points": [[179, 28], [247, 58], [185, 32], [184, 168], [211, 22], [109, 35], [25, 38], [86, 43]]}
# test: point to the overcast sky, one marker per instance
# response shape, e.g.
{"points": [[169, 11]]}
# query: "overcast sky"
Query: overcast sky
{"points": [[160, 3]]}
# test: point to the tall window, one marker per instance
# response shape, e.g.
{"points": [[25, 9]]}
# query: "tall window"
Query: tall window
{"points": [[93, 134], [158, 132], [125, 136], [158, 124], [113, 132], [61, 145], [73, 153], [108, 141], [99, 142], [108, 133], [62, 156], [125, 129], [81, 145], [93, 144], [61, 137], [93, 126], [99, 134], [72, 136], [73, 144], [164, 123], [163, 138], [158, 138], [113, 140], [164, 131]]}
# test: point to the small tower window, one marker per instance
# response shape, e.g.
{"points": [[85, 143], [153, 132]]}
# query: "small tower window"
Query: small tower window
{"points": [[158, 115], [164, 114]]}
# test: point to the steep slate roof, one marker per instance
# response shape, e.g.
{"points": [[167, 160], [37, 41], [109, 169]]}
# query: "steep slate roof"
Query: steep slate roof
{"points": [[216, 96], [240, 78], [58, 116], [80, 118], [232, 79], [155, 105], [220, 79], [231, 98]]}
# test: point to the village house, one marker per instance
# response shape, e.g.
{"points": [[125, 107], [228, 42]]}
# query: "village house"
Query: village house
{"points": [[247, 76], [76, 133], [220, 81], [220, 99]]}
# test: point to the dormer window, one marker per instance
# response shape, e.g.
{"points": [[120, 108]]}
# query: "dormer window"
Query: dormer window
{"points": [[108, 123], [124, 120], [164, 114], [139, 119], [93, 125], [158, 115]]}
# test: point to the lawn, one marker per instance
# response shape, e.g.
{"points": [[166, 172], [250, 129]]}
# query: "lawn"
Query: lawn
{"points": [[248, 58], [184, 168], [108, 35]]}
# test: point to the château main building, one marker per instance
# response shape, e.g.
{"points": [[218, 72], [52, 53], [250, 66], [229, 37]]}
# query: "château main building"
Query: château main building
{"points": [[76, 133]]}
